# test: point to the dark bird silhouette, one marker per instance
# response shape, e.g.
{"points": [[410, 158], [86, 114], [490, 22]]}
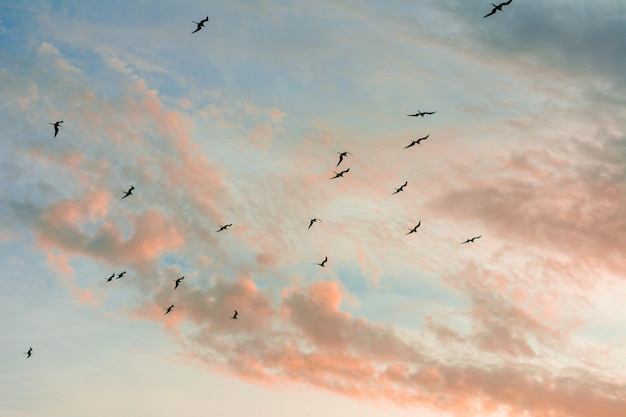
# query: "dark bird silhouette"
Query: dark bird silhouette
{"points": [[109, 279], [323, 262], [470, 240], [200, 24], [224, 227], [167, 310], [416, 141], [313, 221], [414, 230], [121, 275], [497, 8], [421, 113], [401, 188], [234, 317], [177, 281], [30, 352], [129, 192], [342, 155], [56, 127], [339, 174]]}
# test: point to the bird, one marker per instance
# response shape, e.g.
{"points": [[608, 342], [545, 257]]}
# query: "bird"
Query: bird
{"points": [[167, 310], [129, 192], [56, 127], [417, 141], [341, 156], [313, 221], [200, 24], [224, 227], [421, 113], [339, 174], [498, 7], [401, 188], [177, 281], [109, 279], [121, 275], [414, 230], [234, 317], [30, 352], [323, 262], [470, 240]]}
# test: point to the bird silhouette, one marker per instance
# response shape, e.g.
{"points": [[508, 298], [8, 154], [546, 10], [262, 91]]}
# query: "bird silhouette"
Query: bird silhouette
{"points": [[177, 281], [339, 174], [109, 279], [313, 221], [497, 8], [129, 192], [414, 230], [416, 141], [56, 127], [341, 156], [323, 262], [30, 352], [224, 227], [200, 24], [401, 188], [421, 113], [234, 317], [167, 310], [121, 275], [470, 240]]}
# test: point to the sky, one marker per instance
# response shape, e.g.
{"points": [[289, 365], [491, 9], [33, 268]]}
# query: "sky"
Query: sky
{"points": [[241, 123]]}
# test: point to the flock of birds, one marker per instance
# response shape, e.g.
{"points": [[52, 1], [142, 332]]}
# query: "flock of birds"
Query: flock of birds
{"points": [[342, 156]]}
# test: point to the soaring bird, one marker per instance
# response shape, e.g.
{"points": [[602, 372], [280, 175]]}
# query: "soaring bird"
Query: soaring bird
{"points": [[109, 279], [498, 7], [339, 174], [226, 226], [200, 24], [470, 240], [30, 352], [421, 113], [417, 141], [56, 127], [313, 221], [323, 262], [177, 281], [414, 230], [342, 155], [129, 192], [234, 317], [167, 310], [121, 275], [401, 188]]}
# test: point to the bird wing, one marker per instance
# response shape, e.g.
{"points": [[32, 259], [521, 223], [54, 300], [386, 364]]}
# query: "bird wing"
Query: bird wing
{"points": [[340, 159], [412, 143], [196, 30], [492, 12]]}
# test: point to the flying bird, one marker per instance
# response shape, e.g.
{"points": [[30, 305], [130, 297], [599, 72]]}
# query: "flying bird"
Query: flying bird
{"points": [[224, 227], [421, 113], [401, 188], [121, 275], [470, 240], [168, 309], [313, 221], [323, 262], [30, 352], [177, 281], [498, 7], [417, 141], [109, 279], [234, 317], [342, 155], [56, 127], [200, 24], [339, 174], [414, 230], [129, 192]]}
